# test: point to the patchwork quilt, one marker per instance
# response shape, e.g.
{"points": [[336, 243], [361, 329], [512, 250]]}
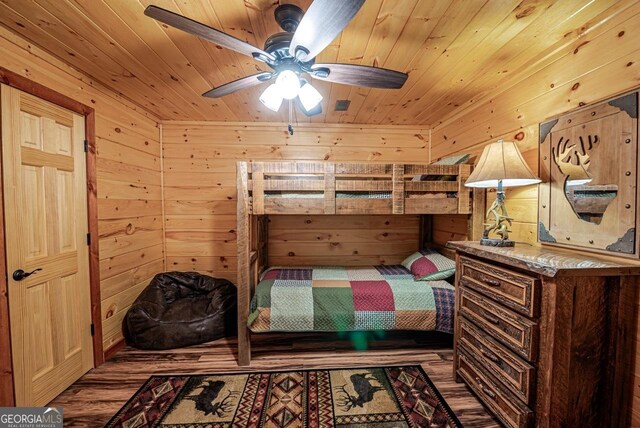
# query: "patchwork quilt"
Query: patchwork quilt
{"points": [[350, 299]]}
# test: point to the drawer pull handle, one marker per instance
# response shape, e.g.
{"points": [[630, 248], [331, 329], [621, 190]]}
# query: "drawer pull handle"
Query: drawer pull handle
{"points": [[491, 356], [486, 390], [490, 318], [492, 282]]}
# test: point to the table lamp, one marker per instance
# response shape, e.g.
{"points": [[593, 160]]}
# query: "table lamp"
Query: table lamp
{"points": [[500, 165]]}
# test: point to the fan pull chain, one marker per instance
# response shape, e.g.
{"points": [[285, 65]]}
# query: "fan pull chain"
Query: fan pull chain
{"points": [[290, 128]]}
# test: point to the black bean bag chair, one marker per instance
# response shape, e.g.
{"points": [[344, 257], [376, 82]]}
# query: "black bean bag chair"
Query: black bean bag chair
{"points": [[181, 309]]}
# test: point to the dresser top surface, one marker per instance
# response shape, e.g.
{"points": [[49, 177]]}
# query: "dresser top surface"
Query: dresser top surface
{"points": [[548, 262]]}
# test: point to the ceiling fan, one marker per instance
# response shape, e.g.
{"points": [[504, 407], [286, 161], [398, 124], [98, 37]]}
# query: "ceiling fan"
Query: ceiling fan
{"points": [[291, 54]]}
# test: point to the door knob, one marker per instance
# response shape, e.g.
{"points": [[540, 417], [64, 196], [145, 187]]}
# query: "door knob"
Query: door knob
{"points": [[19, 274]]}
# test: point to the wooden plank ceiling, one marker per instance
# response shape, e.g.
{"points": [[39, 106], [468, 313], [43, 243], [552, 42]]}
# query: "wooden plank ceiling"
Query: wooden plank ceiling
{"points": [[454, 51]]}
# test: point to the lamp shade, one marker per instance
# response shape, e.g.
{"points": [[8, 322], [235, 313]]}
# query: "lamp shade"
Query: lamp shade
{"points": [[501, 161]]}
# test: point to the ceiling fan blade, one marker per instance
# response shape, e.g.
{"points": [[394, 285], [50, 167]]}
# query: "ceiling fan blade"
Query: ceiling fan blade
{"points": [[321, 23], [314, 111], [236, 85], [207, 33], [359, 75]]}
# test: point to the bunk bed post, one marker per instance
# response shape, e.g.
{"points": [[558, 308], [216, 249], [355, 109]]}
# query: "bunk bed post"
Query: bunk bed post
{"points": [[263, 243], [243, 235], [464, 193], [475, 206], [257, 179], [476, 225], [398, 189], [329, 188]]}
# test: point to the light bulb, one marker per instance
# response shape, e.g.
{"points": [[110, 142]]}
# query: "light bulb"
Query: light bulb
{"points": [[309, 96], [271, 97], [288, 83]]}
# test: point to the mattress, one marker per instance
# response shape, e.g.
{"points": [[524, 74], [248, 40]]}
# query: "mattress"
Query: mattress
{"points": [[357, 195], [349, 299], [319, 195]]}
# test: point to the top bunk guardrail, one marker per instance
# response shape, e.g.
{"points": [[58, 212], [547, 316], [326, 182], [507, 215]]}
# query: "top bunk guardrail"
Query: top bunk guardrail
{"points": [[353, 188]]}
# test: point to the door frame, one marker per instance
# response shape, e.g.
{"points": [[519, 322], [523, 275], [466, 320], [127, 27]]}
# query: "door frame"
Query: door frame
{"points": [[17, 81]]}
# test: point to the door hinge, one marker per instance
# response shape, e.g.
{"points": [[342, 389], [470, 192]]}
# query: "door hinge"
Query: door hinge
{"points": [[88, 239], [93, 329], [86, 146]]}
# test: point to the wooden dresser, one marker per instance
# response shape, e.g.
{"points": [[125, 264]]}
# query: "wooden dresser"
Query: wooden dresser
{"points": [[544, 337]]}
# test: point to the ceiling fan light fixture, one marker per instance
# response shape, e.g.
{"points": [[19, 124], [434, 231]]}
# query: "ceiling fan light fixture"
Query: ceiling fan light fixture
{"points": [[309, 96], [291, 54], [271, 97], [288, 84]]}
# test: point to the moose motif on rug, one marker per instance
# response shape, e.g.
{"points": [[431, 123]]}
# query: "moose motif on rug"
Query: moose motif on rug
{"points": [[206, 399], [362, 386]]}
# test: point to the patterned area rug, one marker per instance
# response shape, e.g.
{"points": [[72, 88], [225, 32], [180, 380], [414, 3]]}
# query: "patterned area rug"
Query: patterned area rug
{"points": [[364, 397]]}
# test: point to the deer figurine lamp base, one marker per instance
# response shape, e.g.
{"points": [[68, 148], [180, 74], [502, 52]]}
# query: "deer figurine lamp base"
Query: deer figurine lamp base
{"points": [[500, 223]]}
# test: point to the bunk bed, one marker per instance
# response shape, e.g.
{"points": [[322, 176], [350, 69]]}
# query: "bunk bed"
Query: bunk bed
{"points": [[328, 188]]}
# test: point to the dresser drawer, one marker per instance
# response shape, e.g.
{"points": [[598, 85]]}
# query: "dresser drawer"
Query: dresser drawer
{"points": [[518, 333], [511, 411], [515, 373], [516, 291]]}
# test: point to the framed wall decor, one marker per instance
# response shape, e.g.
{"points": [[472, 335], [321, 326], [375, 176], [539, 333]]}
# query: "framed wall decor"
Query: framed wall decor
{"points": [[588, 198]]}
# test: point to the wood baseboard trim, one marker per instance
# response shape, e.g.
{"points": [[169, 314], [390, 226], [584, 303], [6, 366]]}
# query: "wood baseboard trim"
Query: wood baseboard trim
{"points": [[114, 349]]}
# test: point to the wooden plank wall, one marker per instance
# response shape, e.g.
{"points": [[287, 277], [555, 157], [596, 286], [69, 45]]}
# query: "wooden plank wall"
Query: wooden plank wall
{"points": [[129, 178], [200, 193], [341, 240], [602, 63]]}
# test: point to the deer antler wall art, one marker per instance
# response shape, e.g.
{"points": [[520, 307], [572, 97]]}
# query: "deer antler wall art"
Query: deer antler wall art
{"points": [[589, 168], [574, 161]]}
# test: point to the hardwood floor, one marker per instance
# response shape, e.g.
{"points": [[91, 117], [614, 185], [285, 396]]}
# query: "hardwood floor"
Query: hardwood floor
{"points": [[99, 394]]}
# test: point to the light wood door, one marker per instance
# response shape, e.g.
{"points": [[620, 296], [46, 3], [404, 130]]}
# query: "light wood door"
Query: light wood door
{"points": [[45, 205]]}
